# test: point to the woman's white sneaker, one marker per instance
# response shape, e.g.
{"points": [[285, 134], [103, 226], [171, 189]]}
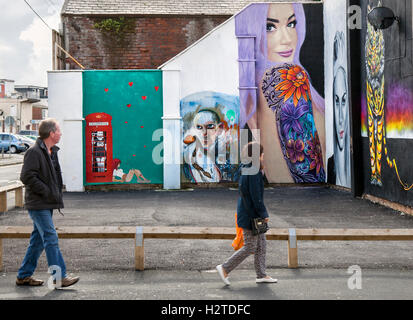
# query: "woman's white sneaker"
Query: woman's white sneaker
{"points": [[221, 274], [266, 280]]}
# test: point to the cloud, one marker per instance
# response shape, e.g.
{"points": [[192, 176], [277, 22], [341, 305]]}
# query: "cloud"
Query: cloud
{"points": [[5, 48], [25, 42], [40, 57]]}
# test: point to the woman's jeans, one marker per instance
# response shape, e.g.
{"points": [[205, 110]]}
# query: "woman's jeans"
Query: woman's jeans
{"points": [[256, 245], [44, 236]]}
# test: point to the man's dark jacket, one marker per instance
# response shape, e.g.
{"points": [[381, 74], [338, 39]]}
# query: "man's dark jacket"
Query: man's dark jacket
{"points": [[252, 188], [42, 179]]}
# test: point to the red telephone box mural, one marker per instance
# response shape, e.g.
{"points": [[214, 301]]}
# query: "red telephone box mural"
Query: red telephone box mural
{"points": [[122, 109], [99, 149]]}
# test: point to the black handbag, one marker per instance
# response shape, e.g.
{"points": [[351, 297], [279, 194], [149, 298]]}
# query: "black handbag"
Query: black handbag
{"points": [[259, 225]]}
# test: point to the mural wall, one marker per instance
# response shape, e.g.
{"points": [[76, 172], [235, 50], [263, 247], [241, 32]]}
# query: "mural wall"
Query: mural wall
{"points": [[337, 116], [122, 109], [287, 104], [209, 107], [210, 137], [387, 104]]}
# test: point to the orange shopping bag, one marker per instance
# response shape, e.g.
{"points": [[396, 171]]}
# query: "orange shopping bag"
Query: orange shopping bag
{"points": [[238, 242]]}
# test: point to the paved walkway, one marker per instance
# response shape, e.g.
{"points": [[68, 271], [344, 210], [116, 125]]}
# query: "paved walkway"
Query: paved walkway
{"points": [[107, 265], [302, 284]]}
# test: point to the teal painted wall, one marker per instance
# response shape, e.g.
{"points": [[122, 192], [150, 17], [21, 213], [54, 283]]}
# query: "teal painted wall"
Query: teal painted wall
{"points": [[134, 101]]}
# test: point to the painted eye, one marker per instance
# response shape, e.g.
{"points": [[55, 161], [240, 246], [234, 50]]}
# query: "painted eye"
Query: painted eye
{"points": [[337, 100], [211, 126], [271, 27], [199, 127], [292, 24]]}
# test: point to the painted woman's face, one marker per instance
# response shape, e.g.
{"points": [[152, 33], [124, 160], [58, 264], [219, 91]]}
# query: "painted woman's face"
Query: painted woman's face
{"points": [[281, 33], [206, 127], [340, 106]]}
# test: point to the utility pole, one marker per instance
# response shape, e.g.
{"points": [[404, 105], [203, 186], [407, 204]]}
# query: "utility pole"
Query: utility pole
{"points": [[2, 119]]}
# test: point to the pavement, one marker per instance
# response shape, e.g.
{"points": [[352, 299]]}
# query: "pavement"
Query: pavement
{"points": [[185, 269], [8, 159]]}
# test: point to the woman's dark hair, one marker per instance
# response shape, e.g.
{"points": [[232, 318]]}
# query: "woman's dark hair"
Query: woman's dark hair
{"points": [[46, 126]]}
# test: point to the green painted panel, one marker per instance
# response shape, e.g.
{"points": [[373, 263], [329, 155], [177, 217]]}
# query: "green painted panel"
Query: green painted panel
{"points": [[133, 99]]}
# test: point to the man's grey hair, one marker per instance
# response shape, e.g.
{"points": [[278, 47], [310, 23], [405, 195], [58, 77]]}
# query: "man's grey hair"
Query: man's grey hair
{"points": [[46, 126]]}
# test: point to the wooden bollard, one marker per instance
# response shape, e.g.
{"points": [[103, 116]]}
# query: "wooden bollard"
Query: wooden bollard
{"points": [[3, 201], [18, 194], [292, 248], [139, 250], [1, 254]]}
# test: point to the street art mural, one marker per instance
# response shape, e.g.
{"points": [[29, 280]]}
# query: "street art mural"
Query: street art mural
{"points": [[289, 111], [210, 137], [122, 109], [337, 94], [375, 97], [387, 104]]}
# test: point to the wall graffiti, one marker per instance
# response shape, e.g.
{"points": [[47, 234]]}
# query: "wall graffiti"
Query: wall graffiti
{"points": [[378, 104], [375, 97], [337, 94], [289, 112], [122, 110], [210, 137]]}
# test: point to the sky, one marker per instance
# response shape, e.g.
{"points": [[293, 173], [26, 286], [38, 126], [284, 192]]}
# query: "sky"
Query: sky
{"points": [[25, 41]]}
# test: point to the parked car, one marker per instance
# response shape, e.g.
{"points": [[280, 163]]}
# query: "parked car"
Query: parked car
{"points": [[29, 133], [11, 143], [26, 140]]}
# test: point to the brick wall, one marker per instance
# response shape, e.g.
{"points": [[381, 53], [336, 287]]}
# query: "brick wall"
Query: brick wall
{"points": [[146, 43], [37, 113]]}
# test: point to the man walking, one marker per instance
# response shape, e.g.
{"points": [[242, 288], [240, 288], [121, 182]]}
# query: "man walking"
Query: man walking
{"points": [[42, 177]]}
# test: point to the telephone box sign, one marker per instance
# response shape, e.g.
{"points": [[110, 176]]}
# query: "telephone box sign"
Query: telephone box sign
{"points": [[99, 148]]}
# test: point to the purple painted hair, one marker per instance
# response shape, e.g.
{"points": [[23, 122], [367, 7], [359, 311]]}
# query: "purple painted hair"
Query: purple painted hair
{"points": [[252, 21]]}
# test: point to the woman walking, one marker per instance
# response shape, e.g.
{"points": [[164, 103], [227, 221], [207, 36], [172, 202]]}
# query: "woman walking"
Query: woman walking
{"points": [[250, 205]]}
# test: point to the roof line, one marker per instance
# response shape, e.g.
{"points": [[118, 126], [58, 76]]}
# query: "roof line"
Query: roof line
{"points": [[147, 14], [206, 35]]}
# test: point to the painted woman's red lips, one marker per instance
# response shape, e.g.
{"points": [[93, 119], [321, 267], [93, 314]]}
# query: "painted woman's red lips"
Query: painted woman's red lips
{"points": [[341, 133], [285, 54]]}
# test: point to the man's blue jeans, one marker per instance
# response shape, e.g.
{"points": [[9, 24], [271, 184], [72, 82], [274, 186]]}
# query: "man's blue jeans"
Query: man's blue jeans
{"points": [[44, 236]]}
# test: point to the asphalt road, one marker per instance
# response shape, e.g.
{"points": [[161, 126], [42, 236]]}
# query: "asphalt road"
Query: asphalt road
{"points": [[184, 269], [302, 284], [9, 173]]}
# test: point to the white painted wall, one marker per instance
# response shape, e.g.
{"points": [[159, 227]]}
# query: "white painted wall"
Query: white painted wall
{"points": [[66, 105], [210, 64], [171, 129], [9, 87]]}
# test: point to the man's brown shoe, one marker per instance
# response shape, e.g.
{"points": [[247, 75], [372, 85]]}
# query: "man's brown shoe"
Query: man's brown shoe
{"points": [[29, 281], [68, 281]]}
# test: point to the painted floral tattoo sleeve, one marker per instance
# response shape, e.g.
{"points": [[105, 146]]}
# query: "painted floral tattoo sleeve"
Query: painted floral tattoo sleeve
{"points": [[287, 91]]}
